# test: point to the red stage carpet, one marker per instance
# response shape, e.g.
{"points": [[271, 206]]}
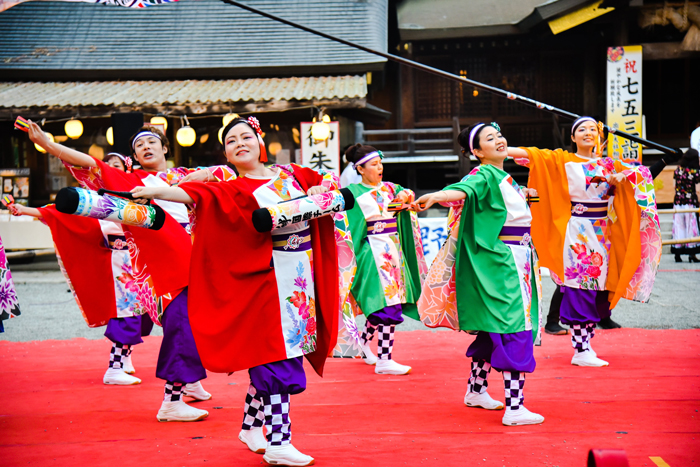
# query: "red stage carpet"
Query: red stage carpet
{"points": [[56, 411]]}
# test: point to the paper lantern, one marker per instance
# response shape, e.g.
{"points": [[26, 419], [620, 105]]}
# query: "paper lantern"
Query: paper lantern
{"points": [[186, 136], [320, 131], [228, 117], [110, 136], [160, 120], [74, 128]]}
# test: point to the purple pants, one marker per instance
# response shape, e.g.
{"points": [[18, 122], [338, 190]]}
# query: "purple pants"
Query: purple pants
{"points": [[129, 330], [387, 315], [178, 360], [505, 352], [579, 306], [283, 377]]}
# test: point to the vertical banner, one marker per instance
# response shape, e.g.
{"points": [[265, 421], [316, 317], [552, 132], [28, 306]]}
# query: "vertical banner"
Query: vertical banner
{"points": [[321, 155], [624, 101]]}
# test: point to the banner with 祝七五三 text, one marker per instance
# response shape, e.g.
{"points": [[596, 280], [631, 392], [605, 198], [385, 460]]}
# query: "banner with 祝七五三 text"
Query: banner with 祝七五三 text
{"points": [[321, 155], [624, 101]]}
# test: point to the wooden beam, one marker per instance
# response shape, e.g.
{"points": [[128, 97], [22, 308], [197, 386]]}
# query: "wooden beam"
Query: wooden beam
{"points": [[219, 108], [666, 51]]}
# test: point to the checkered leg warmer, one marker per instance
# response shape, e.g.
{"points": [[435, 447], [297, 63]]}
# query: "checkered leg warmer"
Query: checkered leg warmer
{"points": [[478, 379], [513, 382], [279, 427], [173, 391], [253, 413], [367, 333], [117, 355], [385, 341], [581, 335]]}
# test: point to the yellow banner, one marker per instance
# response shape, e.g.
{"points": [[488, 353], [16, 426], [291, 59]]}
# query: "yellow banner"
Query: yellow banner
{"points": [[624, 100], [577, 17]]}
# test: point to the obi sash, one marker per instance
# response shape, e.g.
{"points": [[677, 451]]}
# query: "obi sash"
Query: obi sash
{"points": [[295, 241], [515, 235], [382, 226], [590, 209]]}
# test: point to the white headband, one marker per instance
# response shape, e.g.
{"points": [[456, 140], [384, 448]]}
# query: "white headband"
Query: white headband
{"points": [[580, 121], [472, 134], [141, 135], [367, 157], [116, 154]]}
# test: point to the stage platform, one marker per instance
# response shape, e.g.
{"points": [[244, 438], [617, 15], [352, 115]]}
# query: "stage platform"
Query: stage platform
{"points": [[55, 410]]}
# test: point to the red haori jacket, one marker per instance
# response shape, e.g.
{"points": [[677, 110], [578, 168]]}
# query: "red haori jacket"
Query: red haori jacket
{"points": [[233, 304]]}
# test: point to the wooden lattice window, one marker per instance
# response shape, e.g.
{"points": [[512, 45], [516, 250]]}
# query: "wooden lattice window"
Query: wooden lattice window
{"points": [[433, 94]]}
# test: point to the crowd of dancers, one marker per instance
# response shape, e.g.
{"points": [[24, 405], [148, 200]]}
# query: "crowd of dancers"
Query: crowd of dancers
{"points": [[589, 219]]}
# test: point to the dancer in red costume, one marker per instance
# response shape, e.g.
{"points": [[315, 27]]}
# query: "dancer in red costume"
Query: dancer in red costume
{"points": [[272, 301], [161, 259]]}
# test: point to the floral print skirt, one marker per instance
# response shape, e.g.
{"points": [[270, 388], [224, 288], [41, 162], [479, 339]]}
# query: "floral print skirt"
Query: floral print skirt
{"points": [[295, 288], [586, 248]]}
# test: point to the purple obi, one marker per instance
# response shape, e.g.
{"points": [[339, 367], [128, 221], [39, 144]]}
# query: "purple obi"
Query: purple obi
{"points": [[381, 226], [590, 209], [515, 235], [116, 242], [296, 241]]}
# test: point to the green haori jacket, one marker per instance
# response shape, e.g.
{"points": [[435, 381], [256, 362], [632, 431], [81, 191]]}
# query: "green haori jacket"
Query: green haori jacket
{"points": [[366, 287]]}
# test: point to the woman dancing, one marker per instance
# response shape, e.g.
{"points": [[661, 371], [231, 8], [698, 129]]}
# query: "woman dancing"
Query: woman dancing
{"points": [[486, 276]]}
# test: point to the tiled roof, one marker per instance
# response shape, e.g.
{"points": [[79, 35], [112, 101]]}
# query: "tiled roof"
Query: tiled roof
{"points": [[188, 39], [120, 93]]}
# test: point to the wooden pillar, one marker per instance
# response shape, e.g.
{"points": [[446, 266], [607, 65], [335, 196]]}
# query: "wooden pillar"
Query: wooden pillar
{"points": [[590, 85], [407, 118]]}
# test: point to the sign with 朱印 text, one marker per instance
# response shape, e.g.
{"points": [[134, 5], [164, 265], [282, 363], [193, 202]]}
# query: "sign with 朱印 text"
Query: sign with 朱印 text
{"points": [[624, 101], [321, 155]]}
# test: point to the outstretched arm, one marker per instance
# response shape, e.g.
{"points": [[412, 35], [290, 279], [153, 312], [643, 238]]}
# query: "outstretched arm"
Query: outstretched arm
{"points": [[172, 193], [446, 196], [68, 155], [518, 153], [21, 210]]}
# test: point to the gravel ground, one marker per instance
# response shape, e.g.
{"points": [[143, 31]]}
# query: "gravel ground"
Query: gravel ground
{"points": [[49, 311]]}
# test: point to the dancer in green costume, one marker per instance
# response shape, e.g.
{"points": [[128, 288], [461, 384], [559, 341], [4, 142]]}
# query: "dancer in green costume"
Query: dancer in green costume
{"points": [[389, 254], [486, 277]]}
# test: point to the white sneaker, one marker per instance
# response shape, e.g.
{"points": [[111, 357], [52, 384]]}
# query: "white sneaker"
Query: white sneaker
{"points": [[590, 349], [587, 358], [114, 376], [196, 391], [521, 416], [286, 455], [483, 400], [390, 367], [254, 439], [368, 356], [178, 411], [127, 366]]}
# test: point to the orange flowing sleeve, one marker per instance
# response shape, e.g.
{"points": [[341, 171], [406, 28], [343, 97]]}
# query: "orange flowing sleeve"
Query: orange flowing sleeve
{"points": [[552, 213]]}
